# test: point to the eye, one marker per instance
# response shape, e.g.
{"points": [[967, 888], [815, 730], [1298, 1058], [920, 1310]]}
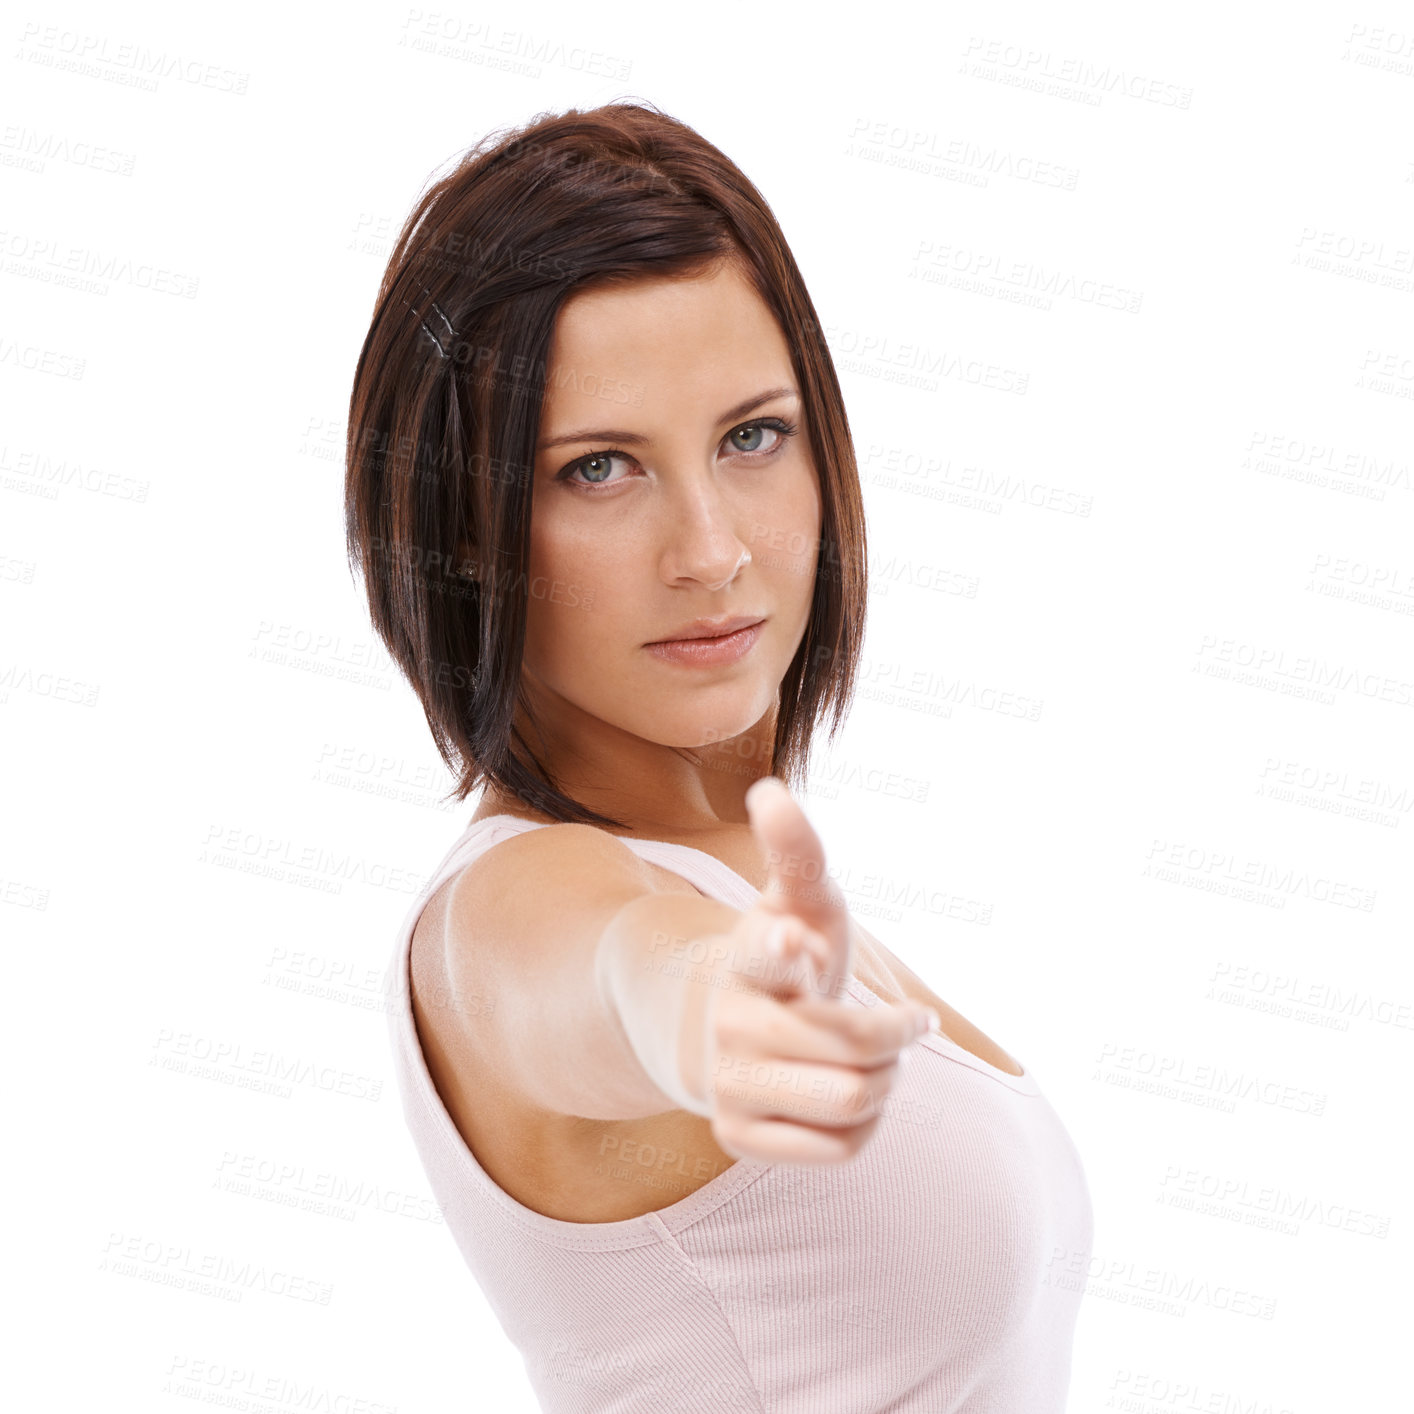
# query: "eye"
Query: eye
{"points": [[744, 441], [596, 468], [753, 430]]}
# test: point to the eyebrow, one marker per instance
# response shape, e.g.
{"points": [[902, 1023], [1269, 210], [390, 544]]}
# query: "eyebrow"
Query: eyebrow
{"points": [[636, 439]]}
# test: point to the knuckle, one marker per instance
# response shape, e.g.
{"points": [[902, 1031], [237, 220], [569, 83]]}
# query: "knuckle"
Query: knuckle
{"points": [[854, 1095], [854, 1028], [852, 1140], [868, 1091], [857, 1105], [862, 1132]]}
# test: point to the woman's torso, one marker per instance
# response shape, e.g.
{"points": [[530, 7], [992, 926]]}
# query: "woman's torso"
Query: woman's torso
{"points": [[575, 1169]]}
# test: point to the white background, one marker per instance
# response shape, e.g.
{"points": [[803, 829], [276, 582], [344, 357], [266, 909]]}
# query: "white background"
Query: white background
{"points": [[1183, 542]]}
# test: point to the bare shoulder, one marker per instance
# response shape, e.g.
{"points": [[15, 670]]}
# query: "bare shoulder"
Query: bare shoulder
{"points": [[528, 910], [533, 872], [506, 988]]}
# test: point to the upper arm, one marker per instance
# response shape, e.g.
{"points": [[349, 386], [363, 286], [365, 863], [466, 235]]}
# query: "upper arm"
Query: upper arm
{"points": [[523, 926]]}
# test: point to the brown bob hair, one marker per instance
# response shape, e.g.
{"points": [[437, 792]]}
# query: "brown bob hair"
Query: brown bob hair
{"points": [[446, 402]]}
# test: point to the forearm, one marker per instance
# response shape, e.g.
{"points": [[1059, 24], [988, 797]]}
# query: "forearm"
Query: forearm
{"points": [[659, 960]]}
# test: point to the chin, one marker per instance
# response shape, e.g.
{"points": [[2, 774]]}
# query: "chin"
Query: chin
{"points": [[694, 729]]}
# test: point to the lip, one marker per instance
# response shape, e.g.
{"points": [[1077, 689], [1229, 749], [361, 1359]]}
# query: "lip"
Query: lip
{"points": [[712, 628], [706, 645]]}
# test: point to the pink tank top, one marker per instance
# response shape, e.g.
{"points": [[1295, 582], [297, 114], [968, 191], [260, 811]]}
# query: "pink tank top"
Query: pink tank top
{"points": [[924, 1276]]}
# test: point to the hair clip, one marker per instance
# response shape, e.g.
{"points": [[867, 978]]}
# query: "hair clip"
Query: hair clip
{"points": [[452, 331]]}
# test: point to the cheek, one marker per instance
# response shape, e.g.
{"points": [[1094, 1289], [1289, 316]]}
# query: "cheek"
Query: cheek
{"points": [[570, 588], [785, 535], [558, 561]]}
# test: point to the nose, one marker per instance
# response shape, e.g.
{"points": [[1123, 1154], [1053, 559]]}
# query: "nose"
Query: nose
{"points": [[704, 540]]}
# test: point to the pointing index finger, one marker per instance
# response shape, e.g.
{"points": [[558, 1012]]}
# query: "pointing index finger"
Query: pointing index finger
{"points": [[796, 857]]}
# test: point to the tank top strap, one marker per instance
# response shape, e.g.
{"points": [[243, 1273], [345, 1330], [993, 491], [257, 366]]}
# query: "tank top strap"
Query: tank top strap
{"points": [[479, 836], [703, 871]]}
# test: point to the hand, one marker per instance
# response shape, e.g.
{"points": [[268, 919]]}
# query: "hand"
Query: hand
{"points": [[794, 1072]]}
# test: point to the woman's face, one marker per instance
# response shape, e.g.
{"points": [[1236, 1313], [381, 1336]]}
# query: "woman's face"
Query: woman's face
{"points": [[667, 490]]}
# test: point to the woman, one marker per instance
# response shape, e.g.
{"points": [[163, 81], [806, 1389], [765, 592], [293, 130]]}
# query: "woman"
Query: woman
{"points": [[687, 1121]]}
